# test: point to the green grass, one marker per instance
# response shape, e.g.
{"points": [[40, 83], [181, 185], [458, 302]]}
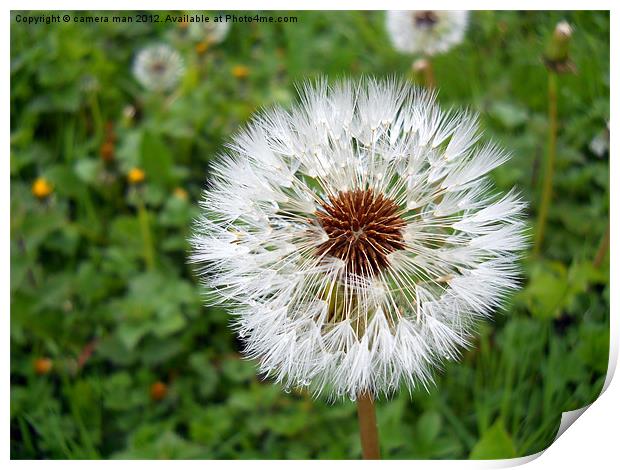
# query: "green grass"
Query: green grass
{"points": [[83, 278]]}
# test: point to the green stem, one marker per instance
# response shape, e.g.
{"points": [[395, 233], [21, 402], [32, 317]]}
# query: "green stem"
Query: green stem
{"points": [[96, 115], [149, 253], [429, 75], [550, 167], [602, 249]]}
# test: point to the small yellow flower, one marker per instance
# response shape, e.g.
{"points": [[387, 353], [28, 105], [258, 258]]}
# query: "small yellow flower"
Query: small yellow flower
{"points": [[136, 176], [180, 193], [43, 365], [240, 71], [41, 188], [202, 47]]}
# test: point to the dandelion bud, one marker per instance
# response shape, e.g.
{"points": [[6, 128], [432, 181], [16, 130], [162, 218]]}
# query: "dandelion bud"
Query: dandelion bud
{"points": [[107, 152], [557, 54], [158, 391], [41, 188], [129, 114]]}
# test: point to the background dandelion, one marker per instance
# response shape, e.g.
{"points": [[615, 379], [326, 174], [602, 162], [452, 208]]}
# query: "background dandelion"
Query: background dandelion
{"points": [[210, 32], [426, 32], [158, 67]]}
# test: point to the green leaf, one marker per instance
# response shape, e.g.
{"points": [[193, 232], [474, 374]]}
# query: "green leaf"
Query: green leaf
{"points": [[429, 425], [546, 292], [495, 443], [131, 333], [169, 324], [156, 159], [509, 114], [87, 169]]}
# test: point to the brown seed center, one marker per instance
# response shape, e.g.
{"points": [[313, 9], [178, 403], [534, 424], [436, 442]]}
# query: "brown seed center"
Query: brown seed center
{"points": [[425, 19], [363, 227], [158, 67]]}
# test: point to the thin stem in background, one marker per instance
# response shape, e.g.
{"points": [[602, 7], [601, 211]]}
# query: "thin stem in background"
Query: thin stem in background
{"points": [[547, 188], [96, 116], [422, 72], [429, 75], [368, 427], [149, 253], [602, 250]]}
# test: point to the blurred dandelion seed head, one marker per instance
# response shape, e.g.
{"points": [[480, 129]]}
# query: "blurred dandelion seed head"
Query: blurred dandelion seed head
{"points": [[358, 237], [158, 67], [563, 30], [426, 32], [210, 32]]}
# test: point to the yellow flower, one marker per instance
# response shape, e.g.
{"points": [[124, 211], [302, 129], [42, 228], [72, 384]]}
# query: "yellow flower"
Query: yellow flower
{"points": [[41, 188], [43, 365], [202, 47], [136, 176], [240, 71], [181, 193]]}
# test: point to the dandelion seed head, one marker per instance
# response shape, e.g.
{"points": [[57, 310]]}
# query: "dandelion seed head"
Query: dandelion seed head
{"points": [[158, 67], [357, 237], [427, 32], [209, 31]]}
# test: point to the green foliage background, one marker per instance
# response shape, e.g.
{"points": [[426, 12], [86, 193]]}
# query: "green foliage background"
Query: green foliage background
{"points": [[83, 295]]}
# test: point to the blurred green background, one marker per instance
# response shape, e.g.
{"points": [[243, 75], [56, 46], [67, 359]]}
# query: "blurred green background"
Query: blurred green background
{"points": [[112, 353]]}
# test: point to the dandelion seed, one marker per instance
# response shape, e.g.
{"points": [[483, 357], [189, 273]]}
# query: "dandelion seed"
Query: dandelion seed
{"points": [[357, 237], [427, 32], [158, 67]]}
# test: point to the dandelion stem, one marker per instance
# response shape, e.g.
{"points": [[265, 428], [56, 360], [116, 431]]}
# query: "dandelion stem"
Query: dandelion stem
{"points": [[550, 166], [602, 250], [96, 115], [368, 427], [429, 75], [143, 217]]}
